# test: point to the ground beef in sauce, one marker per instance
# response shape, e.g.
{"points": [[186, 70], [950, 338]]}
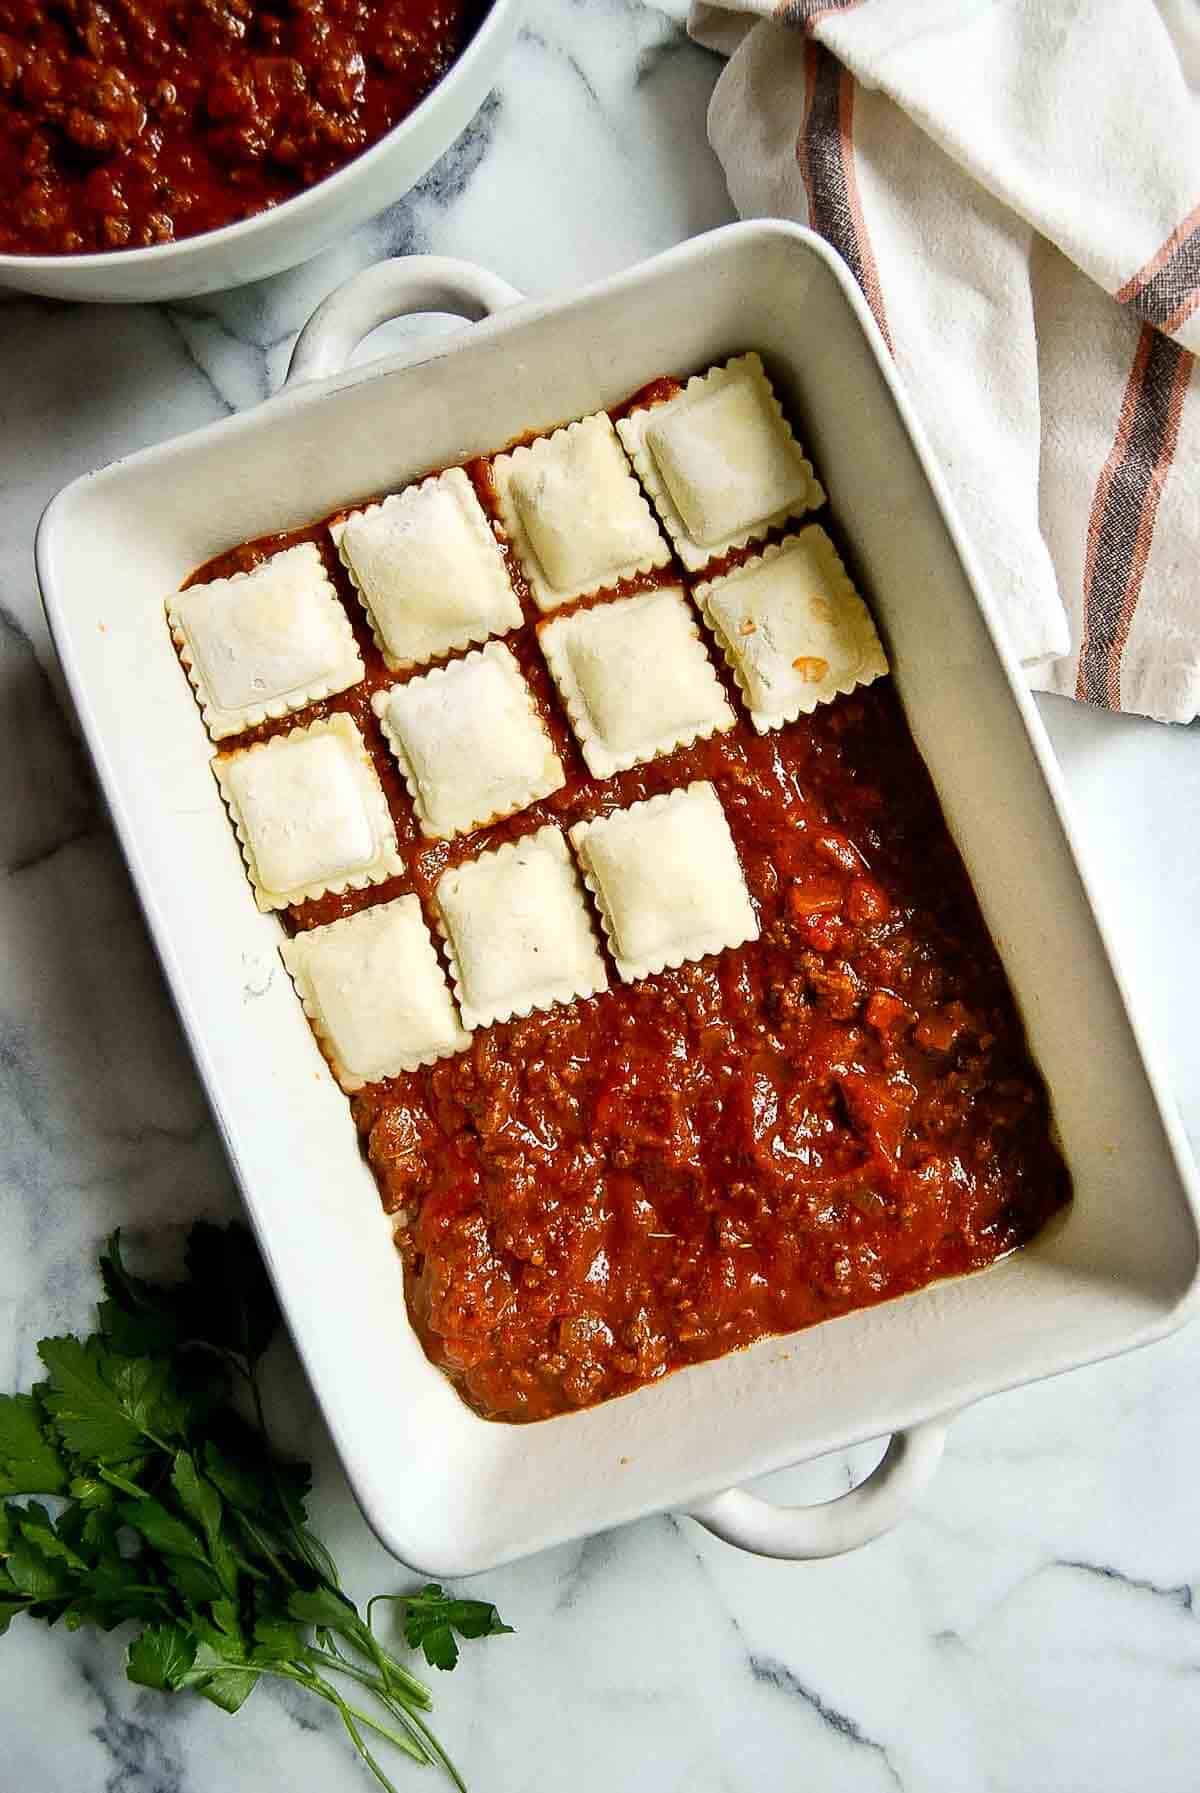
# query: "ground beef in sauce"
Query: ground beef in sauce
{"points": [[125, 123], [840, 1112], [837, 1113]]}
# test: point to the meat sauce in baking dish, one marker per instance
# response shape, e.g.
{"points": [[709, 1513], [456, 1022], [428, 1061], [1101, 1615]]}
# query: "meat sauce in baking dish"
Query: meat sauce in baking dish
{"points": [[602, 1190]]}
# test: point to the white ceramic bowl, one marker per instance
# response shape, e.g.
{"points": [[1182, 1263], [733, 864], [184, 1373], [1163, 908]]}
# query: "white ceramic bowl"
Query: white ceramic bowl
{"points": [[443, 1488], [300, 227]]}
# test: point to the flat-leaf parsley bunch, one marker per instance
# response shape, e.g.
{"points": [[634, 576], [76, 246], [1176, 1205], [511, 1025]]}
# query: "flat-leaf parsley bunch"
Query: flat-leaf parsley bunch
{"points": [[174, 1511]]}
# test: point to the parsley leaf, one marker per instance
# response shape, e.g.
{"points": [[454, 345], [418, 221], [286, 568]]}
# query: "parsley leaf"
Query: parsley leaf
{"points": [[197, 1497], [30, 1462], [226, 1687], [432, 1617], [36, 1527], [277, 1639], [168, 1533], [161, 1657], [243, 1484], [137, 1318], [327, 1608], [105, 1407], [34, 1574], [201, 1502]]}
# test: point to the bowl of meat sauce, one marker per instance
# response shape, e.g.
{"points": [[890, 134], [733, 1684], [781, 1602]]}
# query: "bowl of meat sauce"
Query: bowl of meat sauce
{"points": [[154, 149]]}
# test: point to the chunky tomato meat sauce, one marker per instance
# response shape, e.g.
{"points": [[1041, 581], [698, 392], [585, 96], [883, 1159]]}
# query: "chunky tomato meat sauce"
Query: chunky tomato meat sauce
{"points": [[130, 122], [842, 1111]]}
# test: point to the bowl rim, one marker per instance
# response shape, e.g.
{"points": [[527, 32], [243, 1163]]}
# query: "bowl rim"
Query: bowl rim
{"points": [[311, 199]]}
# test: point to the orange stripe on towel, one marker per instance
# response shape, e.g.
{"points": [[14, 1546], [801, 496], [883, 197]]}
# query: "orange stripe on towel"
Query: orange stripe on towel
{"points": [[825, 155], [1125, 509], [1146, 522], [1167, 290]]}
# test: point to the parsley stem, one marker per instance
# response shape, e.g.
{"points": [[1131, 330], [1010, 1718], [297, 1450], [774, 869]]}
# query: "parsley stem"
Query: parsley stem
{"points": [[397, 1704], [408, 1602], [342, 1665], [360, 1746], [405, 1739], [352, 1718], [438, 1753], [392, 1672], [412, 1746], [395, 1674]]}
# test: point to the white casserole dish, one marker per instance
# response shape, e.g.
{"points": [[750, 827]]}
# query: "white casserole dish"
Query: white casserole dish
{"points": [[444, 1489], [300, 227]]}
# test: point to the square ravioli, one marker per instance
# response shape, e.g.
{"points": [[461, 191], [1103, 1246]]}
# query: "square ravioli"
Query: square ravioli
{"points": [[720, 461], [517, 930], [469, 741], [429, 571], [264, 643], [575, 513], [793, 628], [310, 813], [667, 880], [374, 990], [635, 679]]}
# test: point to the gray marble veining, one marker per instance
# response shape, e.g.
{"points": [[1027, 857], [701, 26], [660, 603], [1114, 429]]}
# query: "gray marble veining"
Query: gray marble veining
{"points": [[1031, 1629]]}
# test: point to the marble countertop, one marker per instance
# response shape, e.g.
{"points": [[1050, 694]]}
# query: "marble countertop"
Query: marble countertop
{"points": [[1030, 1629]]}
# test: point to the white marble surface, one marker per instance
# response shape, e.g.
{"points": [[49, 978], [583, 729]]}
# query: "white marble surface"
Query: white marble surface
{"points": [[1031, 1628]]}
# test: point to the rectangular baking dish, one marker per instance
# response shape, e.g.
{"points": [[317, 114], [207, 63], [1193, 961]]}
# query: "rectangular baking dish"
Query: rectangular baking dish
{"points": [[444, 1489]]}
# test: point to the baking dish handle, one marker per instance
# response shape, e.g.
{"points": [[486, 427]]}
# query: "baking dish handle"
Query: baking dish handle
{"points": [[392, 289], [832, 1526]]}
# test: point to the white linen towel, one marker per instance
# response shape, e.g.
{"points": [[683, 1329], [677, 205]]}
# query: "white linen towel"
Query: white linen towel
{"points": [[1015, 185]]}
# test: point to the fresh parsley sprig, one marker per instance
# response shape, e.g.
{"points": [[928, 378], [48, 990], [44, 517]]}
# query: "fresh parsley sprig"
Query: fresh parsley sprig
{"points": [[174, 1511]]}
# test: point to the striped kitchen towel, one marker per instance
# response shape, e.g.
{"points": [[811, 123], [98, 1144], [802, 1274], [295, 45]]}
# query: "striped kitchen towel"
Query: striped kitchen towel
{"points": [[1014, 184]]}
